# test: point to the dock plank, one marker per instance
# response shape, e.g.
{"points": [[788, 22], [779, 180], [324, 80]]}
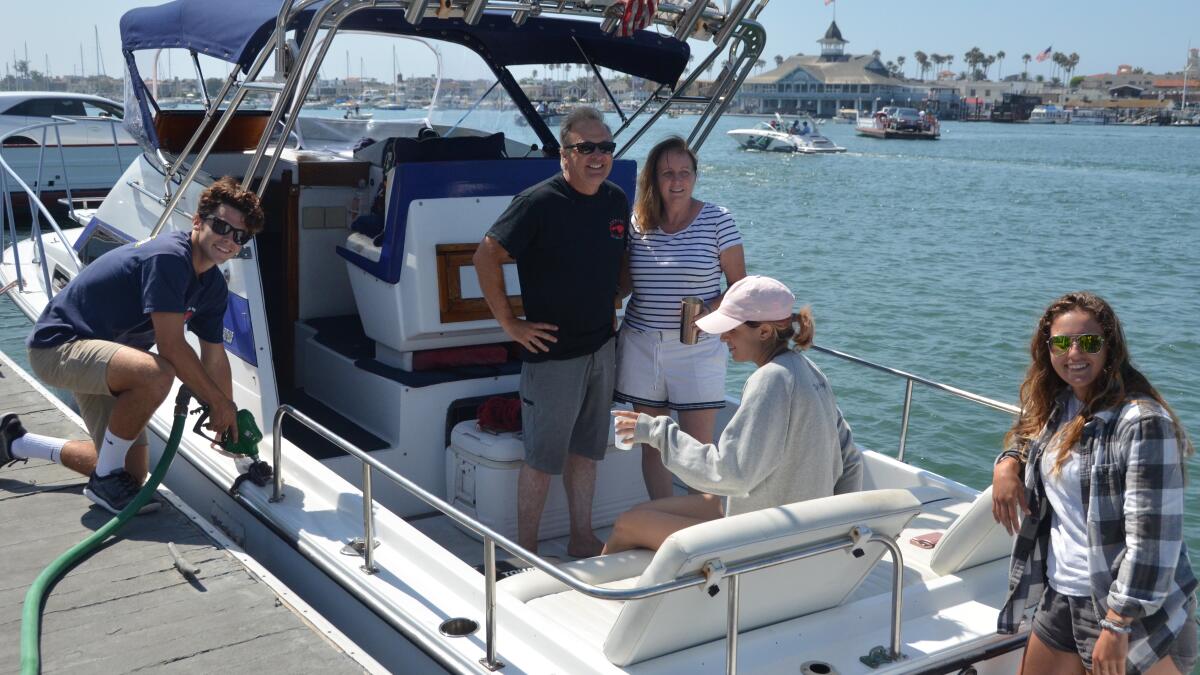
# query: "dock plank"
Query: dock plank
{"points": [[126, 608]]}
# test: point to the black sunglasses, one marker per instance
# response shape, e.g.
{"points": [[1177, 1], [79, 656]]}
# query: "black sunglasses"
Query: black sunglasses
{"points": [[221, 227], [588, 147], [1088, 342]]}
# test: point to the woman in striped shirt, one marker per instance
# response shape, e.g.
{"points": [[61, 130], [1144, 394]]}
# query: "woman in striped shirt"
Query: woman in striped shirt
{"points": [[679, 246]]}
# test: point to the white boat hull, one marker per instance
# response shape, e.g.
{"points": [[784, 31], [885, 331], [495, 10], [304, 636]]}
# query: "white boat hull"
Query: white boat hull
{"points": [[778, 141]]}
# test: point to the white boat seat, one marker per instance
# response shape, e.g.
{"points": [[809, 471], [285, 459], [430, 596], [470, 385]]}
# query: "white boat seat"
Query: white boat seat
{"points": [[972, 539], [644, 629]]}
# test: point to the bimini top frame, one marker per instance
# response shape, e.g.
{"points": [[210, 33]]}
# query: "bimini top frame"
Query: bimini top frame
{"points": [[504, 32]]}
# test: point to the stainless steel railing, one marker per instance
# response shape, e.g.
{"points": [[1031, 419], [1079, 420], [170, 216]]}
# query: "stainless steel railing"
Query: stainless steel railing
{"points": [[38, 209], [909, 379], [856, 538]]}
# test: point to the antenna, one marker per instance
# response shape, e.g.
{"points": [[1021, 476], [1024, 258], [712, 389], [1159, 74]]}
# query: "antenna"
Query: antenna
{"points": [[99, 54]]}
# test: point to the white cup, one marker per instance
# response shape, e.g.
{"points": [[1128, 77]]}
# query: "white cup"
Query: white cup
{"points": [[617, 442]]}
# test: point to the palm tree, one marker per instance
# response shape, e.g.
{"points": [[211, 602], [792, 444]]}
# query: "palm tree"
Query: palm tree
{"points": [[758, 65], [987, 64], [938, 60], [1026, 58], [900, 65], [1058, 59], [922, 62], [1072, 63], [876, 53], [1000, 64], [778, 60]]}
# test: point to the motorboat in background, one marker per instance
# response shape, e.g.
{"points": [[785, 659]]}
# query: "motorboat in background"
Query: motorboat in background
{"points": [[1049, 114], [776, 136], [898, 122], [1089, 116], [59, 142], [365, 348]]}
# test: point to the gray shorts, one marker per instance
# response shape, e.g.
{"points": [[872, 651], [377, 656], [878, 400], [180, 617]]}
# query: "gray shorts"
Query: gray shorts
{"points": [[81, 367], [1069, 624], [565, 408]]}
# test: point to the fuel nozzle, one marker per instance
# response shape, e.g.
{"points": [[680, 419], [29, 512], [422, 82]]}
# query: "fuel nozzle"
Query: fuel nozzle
{"points": [[248, 436], [245, 444]]}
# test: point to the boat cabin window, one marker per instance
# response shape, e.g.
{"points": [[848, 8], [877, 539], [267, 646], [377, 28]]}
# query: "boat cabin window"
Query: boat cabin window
{"points": [[101, 241], [47, 107], [98, 109]]}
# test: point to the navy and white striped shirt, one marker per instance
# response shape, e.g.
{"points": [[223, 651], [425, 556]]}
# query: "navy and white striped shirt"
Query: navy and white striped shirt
{"points": [[669, 267]]}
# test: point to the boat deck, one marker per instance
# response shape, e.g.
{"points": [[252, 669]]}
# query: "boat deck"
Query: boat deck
{"points": [[129, 607]]}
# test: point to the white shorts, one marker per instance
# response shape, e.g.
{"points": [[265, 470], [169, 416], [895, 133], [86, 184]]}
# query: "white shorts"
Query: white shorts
{"points": [[655, 369]]}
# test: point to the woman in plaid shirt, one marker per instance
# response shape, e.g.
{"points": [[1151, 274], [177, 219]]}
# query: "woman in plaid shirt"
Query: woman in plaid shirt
{"points": [[1095, 466]]}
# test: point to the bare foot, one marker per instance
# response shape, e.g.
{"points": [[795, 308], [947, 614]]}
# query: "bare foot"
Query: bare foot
{"points": [[588, 548]]}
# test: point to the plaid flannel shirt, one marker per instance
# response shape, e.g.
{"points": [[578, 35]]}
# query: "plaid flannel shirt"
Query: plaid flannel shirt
{"points": [[1132, 485]]}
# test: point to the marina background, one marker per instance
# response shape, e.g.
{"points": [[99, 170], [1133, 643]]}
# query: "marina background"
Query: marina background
{"points": [[938, 258]]}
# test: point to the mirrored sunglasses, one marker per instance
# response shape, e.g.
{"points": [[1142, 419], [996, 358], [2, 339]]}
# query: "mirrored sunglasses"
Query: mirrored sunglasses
{"points": [[1088, 342], [588, 147], [222, 227]]}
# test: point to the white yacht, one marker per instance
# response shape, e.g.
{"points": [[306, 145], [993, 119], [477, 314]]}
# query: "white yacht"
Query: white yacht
{"points": [[57, 142], [801, 137], [1049, 114], [365, 354]]}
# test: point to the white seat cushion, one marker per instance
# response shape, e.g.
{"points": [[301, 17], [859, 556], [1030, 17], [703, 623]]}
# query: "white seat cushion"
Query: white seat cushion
{"points": [[658, 625], [972, 539]]}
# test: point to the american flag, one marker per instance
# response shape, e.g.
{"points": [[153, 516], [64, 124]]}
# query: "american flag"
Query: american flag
{"points": [[638, 14], [828, 2], [1044, 55]]}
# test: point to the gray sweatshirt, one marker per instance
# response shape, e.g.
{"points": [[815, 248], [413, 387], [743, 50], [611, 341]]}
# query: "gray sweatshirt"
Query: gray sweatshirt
{"points": [[787, 442]]}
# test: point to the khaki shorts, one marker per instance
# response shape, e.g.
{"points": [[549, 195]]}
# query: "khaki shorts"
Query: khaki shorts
{"points": [[81, 367]]}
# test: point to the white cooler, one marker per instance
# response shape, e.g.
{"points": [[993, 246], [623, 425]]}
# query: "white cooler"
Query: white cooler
{"points": [[481, 479]]}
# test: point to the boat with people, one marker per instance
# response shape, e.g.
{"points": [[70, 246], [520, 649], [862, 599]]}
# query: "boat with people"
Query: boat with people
{"points": [[1049, 114], [361, 341], [61, 142], [778, 136], [898, 122]]}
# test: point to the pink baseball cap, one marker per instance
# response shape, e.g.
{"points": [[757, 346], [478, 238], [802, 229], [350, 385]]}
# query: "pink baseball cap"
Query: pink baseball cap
{"points": [[752, 298]]}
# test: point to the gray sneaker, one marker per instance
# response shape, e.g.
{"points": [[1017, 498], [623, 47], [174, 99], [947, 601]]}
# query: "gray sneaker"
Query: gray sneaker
{"points": [[115, 491], [10, 430]]}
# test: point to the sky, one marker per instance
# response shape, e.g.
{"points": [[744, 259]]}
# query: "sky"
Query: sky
{"points": [[1153, 34]]}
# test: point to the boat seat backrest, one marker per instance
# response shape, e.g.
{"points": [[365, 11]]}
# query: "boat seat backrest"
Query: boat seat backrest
{"points": [[658, 625], [972, 539]]}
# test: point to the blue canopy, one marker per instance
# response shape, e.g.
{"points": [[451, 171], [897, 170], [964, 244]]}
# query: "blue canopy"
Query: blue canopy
{"points": [[236, 30]]}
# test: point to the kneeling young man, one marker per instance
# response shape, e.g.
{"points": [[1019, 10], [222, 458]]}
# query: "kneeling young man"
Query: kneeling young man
{"points": [[93, 339]]}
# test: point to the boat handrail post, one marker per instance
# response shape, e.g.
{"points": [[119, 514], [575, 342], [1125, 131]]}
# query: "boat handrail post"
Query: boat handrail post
{"points": [[368, 521], [731, 625], [277, 451], [908, 388], [489, 599], [62, 159]]}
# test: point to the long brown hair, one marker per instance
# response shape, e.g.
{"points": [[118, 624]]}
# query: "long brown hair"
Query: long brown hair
{"points": [[1118, 382], [648, 207]]}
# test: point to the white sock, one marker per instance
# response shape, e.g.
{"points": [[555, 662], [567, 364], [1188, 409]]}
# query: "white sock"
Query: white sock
{"points": [[111, 454], [36, 446]]}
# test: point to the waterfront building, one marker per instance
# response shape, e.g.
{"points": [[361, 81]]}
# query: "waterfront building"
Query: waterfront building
{"points": [[822, 84]]}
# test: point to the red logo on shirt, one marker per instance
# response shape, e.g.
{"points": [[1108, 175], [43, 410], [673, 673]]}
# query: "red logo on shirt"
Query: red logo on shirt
{"points": [[187, 315], [616, 229]]}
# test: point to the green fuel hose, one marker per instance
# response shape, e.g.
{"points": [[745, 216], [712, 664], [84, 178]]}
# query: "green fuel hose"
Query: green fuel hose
{"points": [[31, 618]]}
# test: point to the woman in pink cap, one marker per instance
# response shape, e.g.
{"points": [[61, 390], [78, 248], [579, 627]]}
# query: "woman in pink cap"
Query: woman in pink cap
{"points": [[786, 443]]}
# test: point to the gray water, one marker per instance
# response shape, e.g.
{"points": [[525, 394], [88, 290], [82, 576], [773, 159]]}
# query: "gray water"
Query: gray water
{"points": [[938, 258]]}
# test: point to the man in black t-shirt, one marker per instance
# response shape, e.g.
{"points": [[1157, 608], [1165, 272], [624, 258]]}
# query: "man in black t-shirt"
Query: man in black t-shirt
{"points": [[567, 235]]}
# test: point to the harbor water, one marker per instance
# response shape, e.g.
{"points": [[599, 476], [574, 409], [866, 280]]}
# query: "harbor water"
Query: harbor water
{"points": [[938, 258]]}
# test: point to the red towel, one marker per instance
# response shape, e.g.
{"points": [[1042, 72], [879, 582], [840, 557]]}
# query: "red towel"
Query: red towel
{"points": [[500, 414]]}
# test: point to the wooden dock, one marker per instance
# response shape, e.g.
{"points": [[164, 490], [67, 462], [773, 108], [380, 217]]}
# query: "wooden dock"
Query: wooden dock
{"points": [[128, 607]]}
